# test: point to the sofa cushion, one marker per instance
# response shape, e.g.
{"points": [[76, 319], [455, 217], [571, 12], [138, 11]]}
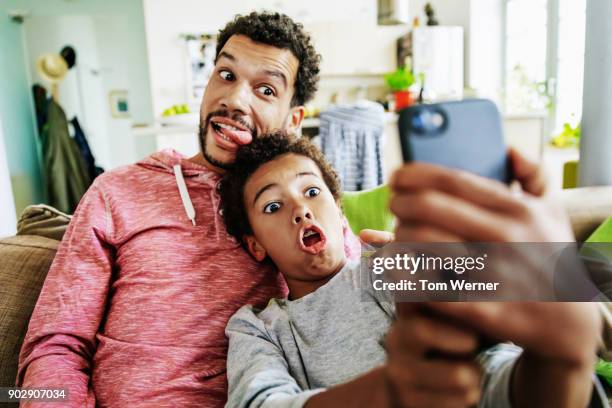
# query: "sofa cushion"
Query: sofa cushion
{"points": [[43, 221], [25, 262], [587, 208]]}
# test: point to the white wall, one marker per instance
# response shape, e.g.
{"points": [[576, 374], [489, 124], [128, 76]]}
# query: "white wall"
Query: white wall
{"points": [[119, 72], [448, 12], [8, 219], [81, 93], [349, 19], [103, 65], [345, 32], [482, 22], [485, 56]]}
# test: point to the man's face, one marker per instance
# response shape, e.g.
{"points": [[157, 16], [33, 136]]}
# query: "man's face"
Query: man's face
{"points": [[249, 93], [295, 219]]}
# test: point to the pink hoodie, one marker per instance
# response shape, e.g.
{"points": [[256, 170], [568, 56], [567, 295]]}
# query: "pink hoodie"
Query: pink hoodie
{"points": [[134, 307]]}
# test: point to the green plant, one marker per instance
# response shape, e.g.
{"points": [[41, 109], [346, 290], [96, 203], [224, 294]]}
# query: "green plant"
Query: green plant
{"points": [[570, 136], [400, 80]]}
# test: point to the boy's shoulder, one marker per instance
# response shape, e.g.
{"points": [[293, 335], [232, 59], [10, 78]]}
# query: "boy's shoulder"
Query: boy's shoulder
{"points": [[251, 320], [267, 315]]}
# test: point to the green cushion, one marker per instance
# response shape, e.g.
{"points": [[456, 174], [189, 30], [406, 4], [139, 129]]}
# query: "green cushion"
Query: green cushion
{"points": [[603, 233], [570, 174], [604, 369], [368, 209]]}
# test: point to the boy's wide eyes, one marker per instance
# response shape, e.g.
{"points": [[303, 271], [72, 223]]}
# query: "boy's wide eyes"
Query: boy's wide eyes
{"points": [[313, 192], [275, 206], [272, 207]]}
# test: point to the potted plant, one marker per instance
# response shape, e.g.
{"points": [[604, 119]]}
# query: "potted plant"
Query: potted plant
{"points": [[399, 82], [569, 137]]}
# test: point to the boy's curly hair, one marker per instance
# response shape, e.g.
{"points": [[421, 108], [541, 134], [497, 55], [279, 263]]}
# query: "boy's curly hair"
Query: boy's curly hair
{"points": [[252, 156], [280, 31]]}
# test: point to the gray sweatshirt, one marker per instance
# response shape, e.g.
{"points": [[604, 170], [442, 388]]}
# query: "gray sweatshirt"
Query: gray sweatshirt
{"points": [[291, 350]]}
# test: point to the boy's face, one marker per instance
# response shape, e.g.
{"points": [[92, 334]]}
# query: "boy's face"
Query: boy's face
{"points": [[295, 219]]}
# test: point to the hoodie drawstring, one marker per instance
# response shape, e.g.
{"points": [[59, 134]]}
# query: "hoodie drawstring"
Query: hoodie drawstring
{"points": [[180, 182]]}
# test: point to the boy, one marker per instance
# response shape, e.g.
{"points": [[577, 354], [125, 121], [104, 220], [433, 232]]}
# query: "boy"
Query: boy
{"points": [[281, 201]]}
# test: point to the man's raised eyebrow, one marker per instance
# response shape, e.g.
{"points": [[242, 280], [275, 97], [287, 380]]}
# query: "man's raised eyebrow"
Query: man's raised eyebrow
{"points": [[277, 74], [262, 190], [226, 55]]}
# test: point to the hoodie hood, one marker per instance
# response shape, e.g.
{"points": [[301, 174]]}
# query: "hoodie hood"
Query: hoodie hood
{"points": [[165, 160], [172, 162]]}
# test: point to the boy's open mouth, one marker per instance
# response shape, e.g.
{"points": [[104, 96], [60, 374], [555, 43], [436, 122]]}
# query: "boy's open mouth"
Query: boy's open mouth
{"points": [[312, 239]]}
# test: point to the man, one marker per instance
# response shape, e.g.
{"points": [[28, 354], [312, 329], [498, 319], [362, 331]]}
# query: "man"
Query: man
{"points": [[134, 307]]}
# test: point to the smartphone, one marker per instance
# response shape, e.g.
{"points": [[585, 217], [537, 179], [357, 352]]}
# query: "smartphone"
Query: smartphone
{"points": [[465, 135]]}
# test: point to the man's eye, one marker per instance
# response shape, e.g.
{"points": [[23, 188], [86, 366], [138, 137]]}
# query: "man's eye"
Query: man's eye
{"points": [[265, 90], [312, 192], [226, 75], [272, 207]]}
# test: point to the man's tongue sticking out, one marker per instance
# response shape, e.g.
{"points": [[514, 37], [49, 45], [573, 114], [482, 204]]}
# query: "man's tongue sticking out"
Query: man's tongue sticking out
{"points": [[233, 131]]}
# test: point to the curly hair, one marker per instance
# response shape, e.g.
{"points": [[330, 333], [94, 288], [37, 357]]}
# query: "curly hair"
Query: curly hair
{"points": [[282, 32], [252, 156]]}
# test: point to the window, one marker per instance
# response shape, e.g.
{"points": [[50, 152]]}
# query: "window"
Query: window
{"points": [[570, 62], [525, 68], [544, 58]]}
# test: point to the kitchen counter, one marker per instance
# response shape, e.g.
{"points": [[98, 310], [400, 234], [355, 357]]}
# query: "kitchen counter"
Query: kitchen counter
{"points": [[526, 132]]}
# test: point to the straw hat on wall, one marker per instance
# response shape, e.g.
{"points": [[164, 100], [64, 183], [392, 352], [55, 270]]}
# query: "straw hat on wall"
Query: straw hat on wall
{"points": [[52, 68]]}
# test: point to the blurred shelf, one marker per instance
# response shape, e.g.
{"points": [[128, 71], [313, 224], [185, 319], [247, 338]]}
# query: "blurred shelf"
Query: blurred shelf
{"points": [[158, 129], [390, 117], [183, 123], [353, 74]]}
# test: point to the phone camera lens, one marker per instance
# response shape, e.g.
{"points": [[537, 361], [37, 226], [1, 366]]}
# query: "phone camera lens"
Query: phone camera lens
{"points": [[428, 122], [417, 123], [437, 120]]}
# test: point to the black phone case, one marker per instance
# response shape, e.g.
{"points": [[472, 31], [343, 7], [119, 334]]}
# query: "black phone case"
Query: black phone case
{"points": [[469, 138]]}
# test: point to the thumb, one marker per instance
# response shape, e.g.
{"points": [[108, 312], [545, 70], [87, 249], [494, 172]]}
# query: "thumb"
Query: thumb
{"points": [[529, 174], [376, 237]]}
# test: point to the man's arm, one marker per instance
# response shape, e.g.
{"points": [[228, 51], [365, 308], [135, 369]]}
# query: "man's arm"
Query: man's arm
{"points": [[60, 342], [559, 342], [436, 204]]}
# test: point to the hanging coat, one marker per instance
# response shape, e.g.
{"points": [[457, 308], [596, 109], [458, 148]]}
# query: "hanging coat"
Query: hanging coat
{"points": [[81, 141], [65, 172]]}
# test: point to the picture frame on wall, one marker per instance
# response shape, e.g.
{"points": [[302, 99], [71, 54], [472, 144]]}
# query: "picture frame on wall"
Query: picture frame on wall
{"points": [[119, 104], [200, 62]]}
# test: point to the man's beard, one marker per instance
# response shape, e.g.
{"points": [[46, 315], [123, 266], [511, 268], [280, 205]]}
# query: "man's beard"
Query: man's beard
{"points": [[202, 136]]}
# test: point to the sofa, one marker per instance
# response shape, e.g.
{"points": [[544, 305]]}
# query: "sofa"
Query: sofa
{"points": [[26, 258], [24, 261]]}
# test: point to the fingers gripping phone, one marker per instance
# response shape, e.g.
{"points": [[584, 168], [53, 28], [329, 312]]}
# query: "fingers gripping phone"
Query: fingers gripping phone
{"points": [[465, 134]]}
